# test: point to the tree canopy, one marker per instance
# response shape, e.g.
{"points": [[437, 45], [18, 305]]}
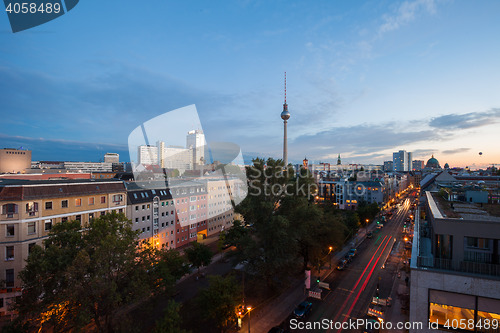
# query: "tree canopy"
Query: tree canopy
{"points": [[83, 275]]}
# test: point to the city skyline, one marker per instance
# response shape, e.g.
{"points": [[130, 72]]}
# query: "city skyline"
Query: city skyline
{"points": [[364, 79]]}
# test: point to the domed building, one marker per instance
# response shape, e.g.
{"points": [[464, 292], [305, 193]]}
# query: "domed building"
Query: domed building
{"points": [[432, 163], [446, 166]]}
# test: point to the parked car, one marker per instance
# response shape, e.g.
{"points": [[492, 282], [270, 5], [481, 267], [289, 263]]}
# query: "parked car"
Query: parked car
{"points": [[302, 310], [352, 252], [342, 265], [369, 234]]}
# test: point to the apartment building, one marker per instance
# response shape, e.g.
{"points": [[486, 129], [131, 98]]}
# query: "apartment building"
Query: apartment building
{"points": [[455, 268], [220, 209], [152, 212], [29, 209]]}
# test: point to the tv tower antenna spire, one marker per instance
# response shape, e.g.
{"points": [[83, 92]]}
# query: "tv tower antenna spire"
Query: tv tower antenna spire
{"points": [[285, 115]]}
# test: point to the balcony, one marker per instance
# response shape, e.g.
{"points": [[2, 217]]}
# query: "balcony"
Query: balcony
{"points": [[461, 266]]}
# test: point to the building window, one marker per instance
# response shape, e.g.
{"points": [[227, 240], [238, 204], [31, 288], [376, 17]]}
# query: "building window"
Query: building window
{"points": [[9, 253], [137, 208], [478, 243], [78, 218], [48, 225], [117, 198], [103, 199], [91, 216], [32, 208], [30, 247], [10, 230], [136, 219], [9, 278], [64, 219], [78, 202], [48, 205], [9, 209], [103, 213], [31, 228], [91, 201], [64, 203], [445, 307]]}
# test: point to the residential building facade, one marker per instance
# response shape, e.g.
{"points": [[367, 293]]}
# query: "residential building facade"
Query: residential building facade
{"points": [[29, 209]]}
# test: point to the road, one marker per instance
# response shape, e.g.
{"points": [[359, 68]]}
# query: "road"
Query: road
{"points": [[352, 289]]}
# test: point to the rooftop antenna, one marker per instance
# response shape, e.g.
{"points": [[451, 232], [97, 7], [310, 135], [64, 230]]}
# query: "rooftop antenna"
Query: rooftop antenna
{"points": [[285, 91]]}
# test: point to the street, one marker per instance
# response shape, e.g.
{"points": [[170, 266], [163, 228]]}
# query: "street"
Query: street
{"points": [[352, 289]]}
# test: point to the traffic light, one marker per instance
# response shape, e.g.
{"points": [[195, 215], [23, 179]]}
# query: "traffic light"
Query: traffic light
{"points": [[317, 280]]}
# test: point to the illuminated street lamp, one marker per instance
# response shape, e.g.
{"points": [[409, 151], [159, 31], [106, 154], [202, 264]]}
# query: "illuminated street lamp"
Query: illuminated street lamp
{"points": [[249, 308]]}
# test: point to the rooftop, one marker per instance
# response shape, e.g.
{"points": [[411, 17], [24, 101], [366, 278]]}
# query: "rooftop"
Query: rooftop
{"points": [[442, 208]]}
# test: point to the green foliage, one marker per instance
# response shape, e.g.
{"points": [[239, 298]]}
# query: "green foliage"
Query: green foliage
{"points": [[287, 223], [199, 255], [367, 211], [85, 275], [218, 302], [171, 321]]}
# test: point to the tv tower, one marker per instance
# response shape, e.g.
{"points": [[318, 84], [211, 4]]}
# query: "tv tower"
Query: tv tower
{"points": [[285, 115]]}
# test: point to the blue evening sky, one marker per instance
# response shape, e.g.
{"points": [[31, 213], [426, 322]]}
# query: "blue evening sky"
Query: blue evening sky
{"points": [[364, 78]]}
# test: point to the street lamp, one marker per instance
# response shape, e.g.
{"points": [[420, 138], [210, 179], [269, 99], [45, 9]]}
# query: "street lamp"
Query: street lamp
{"points": [[249, 308]]}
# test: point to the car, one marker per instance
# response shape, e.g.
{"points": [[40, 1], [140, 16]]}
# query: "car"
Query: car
{"points": [[302, 310], [352, 252], [369, 234], [347, 257], [276, 329], [342, 265]]}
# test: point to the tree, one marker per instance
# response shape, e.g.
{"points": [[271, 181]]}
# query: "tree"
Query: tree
{"points": [[218, 302], [199, 255], [171, 321], [84, 275]]}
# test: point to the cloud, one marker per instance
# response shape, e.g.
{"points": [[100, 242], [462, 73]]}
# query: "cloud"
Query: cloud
{"points": [[455, 151], [360, 140], [467, 120], [405, 14]]}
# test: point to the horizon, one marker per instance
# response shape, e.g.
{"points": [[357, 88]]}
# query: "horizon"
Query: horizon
{"points": [[363, 79]]}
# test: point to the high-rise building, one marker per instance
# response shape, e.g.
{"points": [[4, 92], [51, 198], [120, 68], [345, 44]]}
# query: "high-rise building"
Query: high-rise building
{"points": [[112, 158], [161, 153], [388, 166], [417, 165], [195, 140], [148, 155], [402, 160]]}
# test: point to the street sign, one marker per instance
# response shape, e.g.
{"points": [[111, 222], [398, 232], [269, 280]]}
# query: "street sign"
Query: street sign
{"points": [[315, 294], [324, 285]]}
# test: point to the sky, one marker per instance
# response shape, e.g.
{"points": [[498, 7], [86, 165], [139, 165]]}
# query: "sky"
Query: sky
{"points": [[364, 78]]}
